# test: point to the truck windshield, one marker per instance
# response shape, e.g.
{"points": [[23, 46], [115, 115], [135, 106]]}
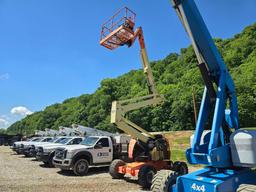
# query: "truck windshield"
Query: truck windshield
{"points": [[89, 141], [44, 140], [58, 140], [32, 139], [52, 140], [65, 140], [37, 139]]}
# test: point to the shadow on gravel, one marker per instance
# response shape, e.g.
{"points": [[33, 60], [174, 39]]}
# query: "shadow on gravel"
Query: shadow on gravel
{"points": [[23, 156], [92, 171], [134, 181], [130, 180], [45, 166], [34, 159]]}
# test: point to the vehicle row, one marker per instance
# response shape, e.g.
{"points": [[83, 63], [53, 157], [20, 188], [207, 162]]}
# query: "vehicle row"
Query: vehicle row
{"points": [[74, 153]]}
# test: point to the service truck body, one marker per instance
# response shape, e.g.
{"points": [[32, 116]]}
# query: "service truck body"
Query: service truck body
{"points": [[93, 151]]}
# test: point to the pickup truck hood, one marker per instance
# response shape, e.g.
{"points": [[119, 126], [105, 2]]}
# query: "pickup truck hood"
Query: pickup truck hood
{"points": [[45, 144], [75, 147], [41, 144], [53, 146], [20, 142], [32, 143]]}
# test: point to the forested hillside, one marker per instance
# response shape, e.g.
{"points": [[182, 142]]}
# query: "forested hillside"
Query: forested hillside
{"points": [[175, 76]]}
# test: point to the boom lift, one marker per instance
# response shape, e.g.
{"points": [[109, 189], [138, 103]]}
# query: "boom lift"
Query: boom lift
{"points": [[149, 153], [88, 131], [40, 133], [229, 155], [66, 131], [52, 132]]}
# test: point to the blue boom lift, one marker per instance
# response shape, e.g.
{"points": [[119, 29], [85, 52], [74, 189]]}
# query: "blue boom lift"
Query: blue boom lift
{"points": [[229, 153]]}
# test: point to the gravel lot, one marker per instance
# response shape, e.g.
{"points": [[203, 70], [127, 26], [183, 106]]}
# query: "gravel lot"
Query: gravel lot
{"points": [[21, 174], [18, 174]]}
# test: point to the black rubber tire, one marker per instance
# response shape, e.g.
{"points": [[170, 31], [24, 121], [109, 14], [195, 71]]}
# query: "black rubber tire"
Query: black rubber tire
{"points": [[145, 176], [246, 188], [180, 167], [163, 181], [46, 163], [26, 155], [81, 167], [114, 167], [50, 162]]}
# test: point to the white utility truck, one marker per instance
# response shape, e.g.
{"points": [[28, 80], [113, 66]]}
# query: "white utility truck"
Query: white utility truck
{"points": [[92, 151]]}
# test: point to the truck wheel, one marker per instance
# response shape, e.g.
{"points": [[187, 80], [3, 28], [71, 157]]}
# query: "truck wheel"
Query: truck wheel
{"points": [[46, 163], [113, 169], [81, 167], [246, 188], [26, 155], [50, 162], [145, 176], [180, 167], [163, 181]]}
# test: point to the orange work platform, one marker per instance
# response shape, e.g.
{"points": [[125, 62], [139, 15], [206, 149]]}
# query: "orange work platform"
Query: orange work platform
{"points": [[118, 30]]}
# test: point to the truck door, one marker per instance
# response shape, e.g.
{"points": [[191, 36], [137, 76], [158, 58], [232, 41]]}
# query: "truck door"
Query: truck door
{"points": [[103, 151]]}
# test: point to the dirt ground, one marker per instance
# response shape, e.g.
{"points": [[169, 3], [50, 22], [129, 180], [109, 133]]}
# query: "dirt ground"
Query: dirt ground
{"points": [[18, 174], [21, 174]]}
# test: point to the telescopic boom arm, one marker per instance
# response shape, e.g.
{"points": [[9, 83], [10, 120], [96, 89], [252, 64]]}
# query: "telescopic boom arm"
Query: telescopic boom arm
{"points": [[123, 34], [219, 93], [145, 62]]}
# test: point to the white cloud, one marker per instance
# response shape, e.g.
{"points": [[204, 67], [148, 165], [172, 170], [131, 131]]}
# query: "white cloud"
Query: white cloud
{"points": [[20, 110], [3, 122], [4, 76]]}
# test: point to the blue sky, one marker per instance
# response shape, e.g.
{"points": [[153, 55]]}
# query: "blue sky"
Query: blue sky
{"points": [[49, 49]]}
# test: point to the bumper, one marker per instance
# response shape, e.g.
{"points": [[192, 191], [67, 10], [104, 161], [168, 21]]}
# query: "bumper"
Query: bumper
{"points": [[21, 150], [15, 149], [65, 164], [26, 152], [45, 157]]}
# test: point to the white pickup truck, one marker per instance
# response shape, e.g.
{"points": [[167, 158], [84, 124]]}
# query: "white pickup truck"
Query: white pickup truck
{"points": [[93, 151], [16, 145], [45, 153], [25, 147]]}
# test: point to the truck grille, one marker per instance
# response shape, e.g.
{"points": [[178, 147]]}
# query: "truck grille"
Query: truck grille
{"points": [[60, 153], [40, 150]]}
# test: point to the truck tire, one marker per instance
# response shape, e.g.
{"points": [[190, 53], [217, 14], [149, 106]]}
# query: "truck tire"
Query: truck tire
{"points": [[145, 176], [246, 188], [163, 181], [50, 162], [113, 169], [46, 163], [180, 167], [81, 167]]}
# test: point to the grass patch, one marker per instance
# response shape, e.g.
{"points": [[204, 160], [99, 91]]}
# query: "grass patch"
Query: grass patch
{"points": [[178, 155], [182, 141], [249, 128]]}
